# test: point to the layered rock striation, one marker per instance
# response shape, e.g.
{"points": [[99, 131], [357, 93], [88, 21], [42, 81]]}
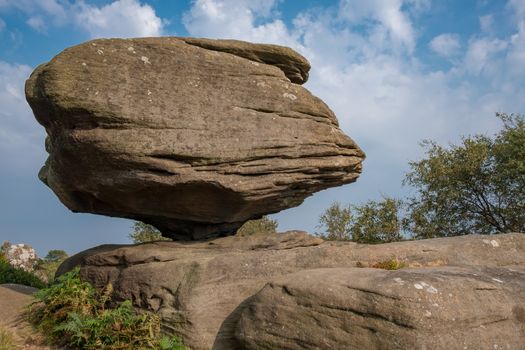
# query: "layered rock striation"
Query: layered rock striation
{"points": [[193, 136]]}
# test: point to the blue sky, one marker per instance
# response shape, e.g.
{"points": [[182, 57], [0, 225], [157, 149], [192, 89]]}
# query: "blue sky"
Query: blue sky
{"points": [[394, 72]]}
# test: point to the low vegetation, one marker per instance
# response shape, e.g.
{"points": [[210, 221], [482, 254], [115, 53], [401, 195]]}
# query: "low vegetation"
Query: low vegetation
{"points": [[143, 233], [6, 339], [47, 267], [262, 225], [72, 313], [390, 264], [11, 274]]}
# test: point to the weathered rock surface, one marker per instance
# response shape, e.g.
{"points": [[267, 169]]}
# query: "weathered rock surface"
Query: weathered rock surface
{"points": [[434, 308], [205, 291], [193, 136]]}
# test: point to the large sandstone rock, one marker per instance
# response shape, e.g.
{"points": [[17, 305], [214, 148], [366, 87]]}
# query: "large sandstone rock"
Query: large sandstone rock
{"points": [[205, 291], [435, 308], [193, 136]]}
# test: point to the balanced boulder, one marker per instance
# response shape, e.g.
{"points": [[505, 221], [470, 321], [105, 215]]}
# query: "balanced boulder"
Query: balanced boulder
{"points": [[193, 136]]}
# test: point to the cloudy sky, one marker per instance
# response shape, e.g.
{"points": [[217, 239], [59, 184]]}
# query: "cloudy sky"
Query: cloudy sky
{"points": [[394, 72]]}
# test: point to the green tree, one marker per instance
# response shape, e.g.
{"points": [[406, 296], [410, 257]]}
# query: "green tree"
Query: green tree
{"points": [[55, 255], [47, 267], [370, 222], [262, 225], [377, 221], [477, 186], [335, 223], [145, 233]]}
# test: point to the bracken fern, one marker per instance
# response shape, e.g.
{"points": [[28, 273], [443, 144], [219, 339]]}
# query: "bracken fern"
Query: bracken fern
{"points": [[72, 313]]}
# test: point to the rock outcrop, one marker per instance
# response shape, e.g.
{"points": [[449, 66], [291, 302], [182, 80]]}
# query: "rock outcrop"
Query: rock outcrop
{"points": [[20, 255], [193, 136], [294, 291]]}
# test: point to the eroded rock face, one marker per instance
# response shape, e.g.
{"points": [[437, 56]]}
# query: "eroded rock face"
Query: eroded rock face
{"points": [[222, 294], [193, 136], [434, 308]]}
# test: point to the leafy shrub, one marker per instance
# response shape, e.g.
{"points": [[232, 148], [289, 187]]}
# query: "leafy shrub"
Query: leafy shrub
{"points": [[71, 312], [6, 340], [11, 274], [173, 343], [143, 233]]}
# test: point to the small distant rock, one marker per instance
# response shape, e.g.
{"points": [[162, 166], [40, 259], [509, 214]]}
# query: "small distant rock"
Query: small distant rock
{"points": [[20, 255]]}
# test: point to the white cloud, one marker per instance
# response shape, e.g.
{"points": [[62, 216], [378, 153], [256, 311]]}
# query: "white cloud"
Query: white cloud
{"points": [[486, 23], [419, 6], [236, 19], [37, 23], [481, 52], [446, 45], [53, 9], [388, 103], [394, 23], [21, 138], [121, 18], [2, 24], [518, 7]]}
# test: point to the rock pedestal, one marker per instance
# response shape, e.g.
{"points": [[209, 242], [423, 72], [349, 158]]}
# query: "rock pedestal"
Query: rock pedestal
{"points": [[294, 291]]}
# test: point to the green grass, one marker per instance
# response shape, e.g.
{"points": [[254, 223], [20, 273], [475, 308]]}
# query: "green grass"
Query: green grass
{"points": [[391, 264], [71, 312]]}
